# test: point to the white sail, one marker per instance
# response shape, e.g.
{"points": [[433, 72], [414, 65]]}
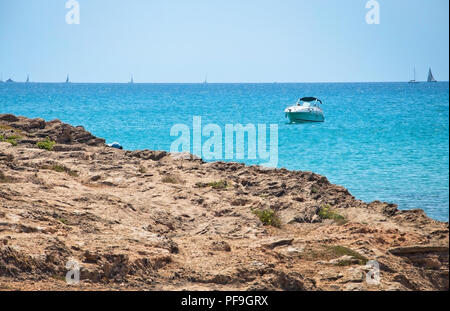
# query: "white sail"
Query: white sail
{"points": [[430, 76], [413, 80]]}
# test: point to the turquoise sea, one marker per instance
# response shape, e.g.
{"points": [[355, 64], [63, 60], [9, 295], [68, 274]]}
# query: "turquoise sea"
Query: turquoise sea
{"points": [[383, 141]]}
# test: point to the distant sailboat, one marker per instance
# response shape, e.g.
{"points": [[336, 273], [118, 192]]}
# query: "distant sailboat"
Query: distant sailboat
{"points": [[67, 79], [430, 76], [1, 78], [131, 80], [414, 80], [28, 78], [206, 80]]}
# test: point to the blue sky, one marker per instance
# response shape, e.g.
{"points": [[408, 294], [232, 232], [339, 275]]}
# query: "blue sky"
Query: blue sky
{"points": [[231, 41]]}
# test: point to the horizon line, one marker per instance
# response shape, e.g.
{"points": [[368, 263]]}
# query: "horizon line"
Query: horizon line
{"points": [[273, 82]]}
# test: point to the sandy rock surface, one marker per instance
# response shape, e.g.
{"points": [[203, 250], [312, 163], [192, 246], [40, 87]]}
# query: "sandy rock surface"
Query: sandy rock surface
{"points": [[149, 220]]}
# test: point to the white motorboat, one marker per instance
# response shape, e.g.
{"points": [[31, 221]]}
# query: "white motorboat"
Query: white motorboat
{"points": [[306, 110]]}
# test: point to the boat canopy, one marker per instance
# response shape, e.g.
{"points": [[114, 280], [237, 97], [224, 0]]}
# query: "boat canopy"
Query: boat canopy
{"points": [[310, 99]]}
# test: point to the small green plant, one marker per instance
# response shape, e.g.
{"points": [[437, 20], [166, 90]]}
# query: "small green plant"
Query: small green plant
{"points": [[326, 212], [58, 277], [10, 129], [6, 127], [268, 217], [58, 168], [72, 173], [15, 137], [171, 179], [63, 221], [46, 144], [61, 169], [3, 178], [314, 190], [329, 252], [10, 139], [221, 184], [340, 251]]}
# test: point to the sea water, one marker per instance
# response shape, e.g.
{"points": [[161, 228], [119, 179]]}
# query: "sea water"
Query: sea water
{"points": [[382, 141]]}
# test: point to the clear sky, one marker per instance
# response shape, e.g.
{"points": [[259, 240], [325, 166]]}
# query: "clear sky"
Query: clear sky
{"points": [[231, 41]]}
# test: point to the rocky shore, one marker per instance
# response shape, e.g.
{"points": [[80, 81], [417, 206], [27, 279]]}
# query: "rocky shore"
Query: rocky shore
{"points": [[150, 220]]}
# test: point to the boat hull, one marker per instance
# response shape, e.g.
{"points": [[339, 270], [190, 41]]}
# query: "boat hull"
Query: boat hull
{"points": [[302, 117]]}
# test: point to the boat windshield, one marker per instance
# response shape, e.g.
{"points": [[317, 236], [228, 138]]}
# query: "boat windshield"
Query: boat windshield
{"points": [[308, 102]]}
